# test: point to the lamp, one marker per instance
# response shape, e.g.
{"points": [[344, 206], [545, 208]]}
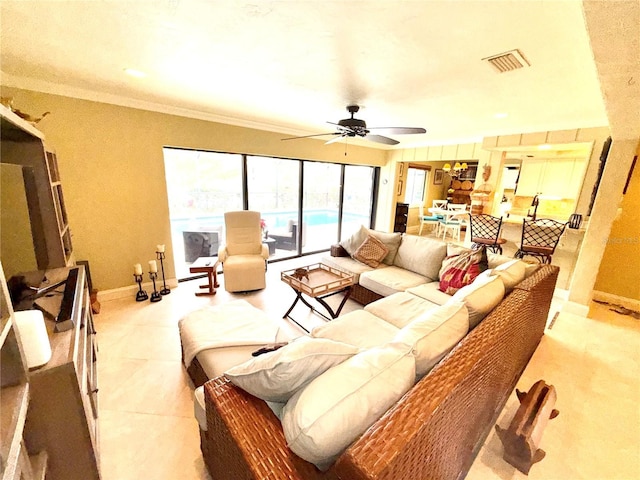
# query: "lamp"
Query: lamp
{"points": [[457, 169]]}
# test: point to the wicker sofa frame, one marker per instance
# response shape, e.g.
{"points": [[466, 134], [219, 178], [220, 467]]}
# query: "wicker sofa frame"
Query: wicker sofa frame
{"points": [[434, 432]]}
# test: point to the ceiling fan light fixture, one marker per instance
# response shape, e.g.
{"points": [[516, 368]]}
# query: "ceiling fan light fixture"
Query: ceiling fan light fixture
{"points": [[447, 167]]}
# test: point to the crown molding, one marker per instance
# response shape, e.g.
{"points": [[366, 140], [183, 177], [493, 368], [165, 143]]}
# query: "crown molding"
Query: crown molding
{"points": [[26, 83]]}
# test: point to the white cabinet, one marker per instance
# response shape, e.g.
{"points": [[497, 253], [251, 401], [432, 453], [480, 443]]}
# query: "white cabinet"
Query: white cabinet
{"points": [[554, 178], [531, 173]]}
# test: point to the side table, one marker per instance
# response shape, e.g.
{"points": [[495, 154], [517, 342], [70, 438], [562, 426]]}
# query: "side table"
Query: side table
{"points": [[208, 265]]}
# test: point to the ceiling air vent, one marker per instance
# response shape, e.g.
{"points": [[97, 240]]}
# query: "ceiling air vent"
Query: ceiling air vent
{"points": [[507, 61]]}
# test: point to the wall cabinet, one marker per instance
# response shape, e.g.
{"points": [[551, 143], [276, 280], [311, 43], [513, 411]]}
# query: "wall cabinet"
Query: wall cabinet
{"points": [[558, 178]]}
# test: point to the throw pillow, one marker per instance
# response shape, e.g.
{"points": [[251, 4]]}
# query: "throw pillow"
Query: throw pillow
{"points": [[371, 252], [460, 270], [336, 408], [277, 375], [435, 333], [391, 241], [352, 243]]}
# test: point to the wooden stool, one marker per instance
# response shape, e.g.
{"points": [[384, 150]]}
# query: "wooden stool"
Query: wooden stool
{"points": [[209, 266]]}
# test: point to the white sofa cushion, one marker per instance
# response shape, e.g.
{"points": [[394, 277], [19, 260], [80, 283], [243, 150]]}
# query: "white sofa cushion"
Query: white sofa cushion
{"points": [[387, 281], [349, 265], [430, 291], [277, 375], [359, 328], [326, 416], [421, 255], [400, 308], [511, 273], [435, 333], [391, 241], [480, 297]]}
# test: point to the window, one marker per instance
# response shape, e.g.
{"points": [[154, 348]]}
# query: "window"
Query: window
{"points": [[416, 180], [335, 200]]}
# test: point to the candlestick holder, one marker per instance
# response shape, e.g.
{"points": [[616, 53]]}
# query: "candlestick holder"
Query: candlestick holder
{"points": [[165, 290], [155, 296], [141, 295]]}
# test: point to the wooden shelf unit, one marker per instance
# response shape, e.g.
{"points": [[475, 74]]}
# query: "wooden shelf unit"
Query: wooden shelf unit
{"points": [[22, 144], [15, 462], [63, 412]]}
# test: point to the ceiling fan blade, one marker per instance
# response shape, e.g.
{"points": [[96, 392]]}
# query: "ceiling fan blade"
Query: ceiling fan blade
{"points": [[335, 139], [381, 139], [310, 136], [399, 130]]}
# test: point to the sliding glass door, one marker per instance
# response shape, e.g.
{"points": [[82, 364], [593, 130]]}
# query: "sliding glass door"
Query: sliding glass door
{"points": [[201, 186], [358, 200], [273, 189], [321, 202], [306, 206]]}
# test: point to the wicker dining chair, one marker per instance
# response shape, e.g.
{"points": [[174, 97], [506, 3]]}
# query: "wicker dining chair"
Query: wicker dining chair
{"points": [[540, 238], [485, 230]]}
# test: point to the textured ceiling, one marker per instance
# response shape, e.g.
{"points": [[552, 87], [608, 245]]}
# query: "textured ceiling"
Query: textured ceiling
{"points": [[291, 66]]}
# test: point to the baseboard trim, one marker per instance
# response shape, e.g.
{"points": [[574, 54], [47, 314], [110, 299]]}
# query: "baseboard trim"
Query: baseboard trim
{"points": [[130, 290], [630, 303], [575, 309]]}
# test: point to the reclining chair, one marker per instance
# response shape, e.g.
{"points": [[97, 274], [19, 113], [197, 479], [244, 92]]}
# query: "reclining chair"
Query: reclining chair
{"points": [[243, 257]]}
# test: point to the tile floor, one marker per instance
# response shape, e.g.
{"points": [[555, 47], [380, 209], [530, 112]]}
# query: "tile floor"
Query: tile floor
{"points": [[148, 429]]}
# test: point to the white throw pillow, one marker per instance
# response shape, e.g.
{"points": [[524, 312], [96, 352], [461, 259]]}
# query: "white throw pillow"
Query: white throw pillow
{"points": [[276, 376], [511, 273], [435, 333], [323, 419], [482, 296]]}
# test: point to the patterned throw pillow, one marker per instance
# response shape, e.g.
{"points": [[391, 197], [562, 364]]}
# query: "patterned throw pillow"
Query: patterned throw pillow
{"points": [[460, 270], [371, 252]]}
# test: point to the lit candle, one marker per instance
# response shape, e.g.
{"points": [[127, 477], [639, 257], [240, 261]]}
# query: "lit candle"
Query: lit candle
{"points": [[160, 248], [153, 266], [137, 269]]}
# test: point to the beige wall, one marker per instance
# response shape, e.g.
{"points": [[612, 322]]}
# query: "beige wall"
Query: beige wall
{"points": [[619, 272], [112, 171]]}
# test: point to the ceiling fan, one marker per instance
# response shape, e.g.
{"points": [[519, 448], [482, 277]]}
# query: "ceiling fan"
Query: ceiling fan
{"points": [[352, 127]]}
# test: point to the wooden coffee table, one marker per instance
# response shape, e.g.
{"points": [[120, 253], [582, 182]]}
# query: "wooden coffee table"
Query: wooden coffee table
{"points": [[209, 266], [320, 282]]}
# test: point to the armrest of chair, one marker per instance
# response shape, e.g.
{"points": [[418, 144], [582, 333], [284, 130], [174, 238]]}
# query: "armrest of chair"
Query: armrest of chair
{"points": [[222, 253], [265, 251], [338, 250]]}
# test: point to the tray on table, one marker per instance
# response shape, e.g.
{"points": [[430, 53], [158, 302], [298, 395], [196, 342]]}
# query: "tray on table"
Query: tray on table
{"points": [[322, 280]]}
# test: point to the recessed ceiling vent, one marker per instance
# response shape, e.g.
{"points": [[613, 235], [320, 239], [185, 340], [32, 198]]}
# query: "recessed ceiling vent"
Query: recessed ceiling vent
{"points": [[508, 61]]}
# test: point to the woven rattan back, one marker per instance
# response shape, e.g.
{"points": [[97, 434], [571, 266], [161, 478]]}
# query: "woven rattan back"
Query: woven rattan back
{"points": [[541, 232], [485, 227]]}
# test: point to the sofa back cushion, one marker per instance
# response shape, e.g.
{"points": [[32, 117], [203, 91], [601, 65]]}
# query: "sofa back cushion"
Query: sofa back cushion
{"points": [[511, 272], [435, 333], [336, 408], [482, 296], [421, 255], [390, 240]]}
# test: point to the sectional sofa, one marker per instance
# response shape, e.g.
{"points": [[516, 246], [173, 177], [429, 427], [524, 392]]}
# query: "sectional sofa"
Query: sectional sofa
{"points": [[433, 429]]}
